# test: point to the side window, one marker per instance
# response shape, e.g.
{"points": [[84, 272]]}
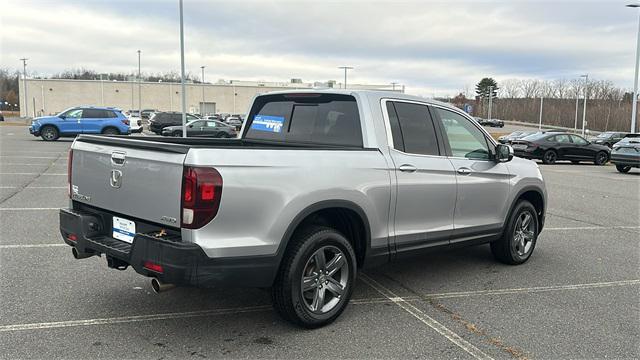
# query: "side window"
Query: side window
{"points": [[412, 128], [73, 114], [562, 139], [578, 140], [110, 114], [464, 138], [197, 124], [91, 114]]}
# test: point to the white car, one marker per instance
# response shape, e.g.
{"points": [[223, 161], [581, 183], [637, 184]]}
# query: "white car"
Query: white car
{"points": [[135, 124]]}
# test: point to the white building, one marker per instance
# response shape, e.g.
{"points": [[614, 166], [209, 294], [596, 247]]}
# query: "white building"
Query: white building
{"points": [[50, 96]]}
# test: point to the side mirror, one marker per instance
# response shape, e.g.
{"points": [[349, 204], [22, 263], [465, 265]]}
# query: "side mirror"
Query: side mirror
{"points": [[190, 126], [504, 153]]}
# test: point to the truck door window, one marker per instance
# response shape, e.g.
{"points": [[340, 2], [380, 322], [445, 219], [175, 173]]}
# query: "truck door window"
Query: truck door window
{"points": [[465, 139], [412, 128]]}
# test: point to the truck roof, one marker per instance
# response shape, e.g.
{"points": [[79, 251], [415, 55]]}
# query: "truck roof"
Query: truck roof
{"points": [[371, 94]]}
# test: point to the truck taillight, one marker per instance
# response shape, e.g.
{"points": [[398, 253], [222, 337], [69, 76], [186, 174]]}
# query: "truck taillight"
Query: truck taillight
{"points": [[201, 194], [69, 166]]}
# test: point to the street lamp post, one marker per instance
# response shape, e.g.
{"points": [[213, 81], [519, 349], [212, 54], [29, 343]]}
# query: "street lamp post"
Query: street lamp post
{"points": [[345, 73], [490, 102], [634, 107], [182, 85], [139, 88], [393, 84], [540, 121], [584, 108], [575, 123], [24, 85], [202, 107]]}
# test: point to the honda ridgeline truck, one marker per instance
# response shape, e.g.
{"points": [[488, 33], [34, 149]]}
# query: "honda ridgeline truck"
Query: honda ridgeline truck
{"points": [[319, 185]]}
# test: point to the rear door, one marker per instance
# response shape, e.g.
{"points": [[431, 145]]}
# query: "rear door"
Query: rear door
{"points": [[92, 121], [482, 183], [563, 146], [425, 179]]}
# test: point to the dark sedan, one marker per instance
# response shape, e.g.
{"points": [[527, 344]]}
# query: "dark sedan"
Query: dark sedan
{"points": [[202, 128], [626, 153], [507, 139], [490, 122], [608, 138], [550, 147]]}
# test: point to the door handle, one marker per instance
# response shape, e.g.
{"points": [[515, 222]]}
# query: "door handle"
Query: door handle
{"points": [[464, 171], [407, 168]]}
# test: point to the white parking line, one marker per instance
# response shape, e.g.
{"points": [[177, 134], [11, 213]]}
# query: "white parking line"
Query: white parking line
{"points": [[34, 187], [426, 319], [29, 246], [29, 209], [525, 290], [31, 164], [44, 174], [591, 228], [32, 157]]}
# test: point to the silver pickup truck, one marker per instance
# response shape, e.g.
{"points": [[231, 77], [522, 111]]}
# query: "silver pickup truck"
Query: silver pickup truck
{"points": [[319, 185]]}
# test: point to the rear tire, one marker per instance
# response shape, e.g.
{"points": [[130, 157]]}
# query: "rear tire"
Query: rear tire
{"points": [[549, 157], [313, 289], [520, 236], [623, 169], [49, 133], [601, 158], [110, 131], [176, 134]]}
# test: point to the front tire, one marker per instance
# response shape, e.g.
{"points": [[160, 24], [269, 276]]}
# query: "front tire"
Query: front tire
{"points": [[549, 157], [520, 236], [316, 278], [601, 158], [623, 169], [49, 133]]}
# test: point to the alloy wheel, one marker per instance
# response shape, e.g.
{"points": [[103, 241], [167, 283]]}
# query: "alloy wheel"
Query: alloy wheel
{"points": [[49, 133], [324, 279], [524, 233]]}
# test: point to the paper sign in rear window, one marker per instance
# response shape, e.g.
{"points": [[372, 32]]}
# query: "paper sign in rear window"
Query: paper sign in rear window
{"points": [[268, 123]]}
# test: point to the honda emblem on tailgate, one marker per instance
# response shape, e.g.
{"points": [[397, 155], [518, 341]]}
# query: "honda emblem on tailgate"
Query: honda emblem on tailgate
{"points": [[115, 180]]}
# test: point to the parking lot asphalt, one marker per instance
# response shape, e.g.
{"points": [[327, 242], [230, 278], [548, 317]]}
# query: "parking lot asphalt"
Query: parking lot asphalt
{"points": [[577, 297]]}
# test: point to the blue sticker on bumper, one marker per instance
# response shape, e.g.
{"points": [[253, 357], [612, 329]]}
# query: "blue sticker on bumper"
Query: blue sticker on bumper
{"points": [[268, 123]]}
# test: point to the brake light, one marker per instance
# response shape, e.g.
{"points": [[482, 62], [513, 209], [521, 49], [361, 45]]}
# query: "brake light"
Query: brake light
{"points": [[153, 267], [72, 237], [69, 166], [125, 121], [201, 194]]}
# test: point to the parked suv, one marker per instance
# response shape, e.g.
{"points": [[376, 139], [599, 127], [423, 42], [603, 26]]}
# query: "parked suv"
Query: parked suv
{"points": [[320, 185], [161, 120], [608, 138], [80, 120]]}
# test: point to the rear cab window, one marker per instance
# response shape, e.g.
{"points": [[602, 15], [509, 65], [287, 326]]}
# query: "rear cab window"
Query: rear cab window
{"points": [[320, 119]]}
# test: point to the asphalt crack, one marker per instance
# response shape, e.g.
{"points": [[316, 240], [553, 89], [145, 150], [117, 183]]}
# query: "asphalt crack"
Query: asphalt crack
{"points": [[20, 188]]}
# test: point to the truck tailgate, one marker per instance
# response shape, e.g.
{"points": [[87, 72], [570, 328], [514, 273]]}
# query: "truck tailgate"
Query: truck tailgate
{"points": [[142, 182]]}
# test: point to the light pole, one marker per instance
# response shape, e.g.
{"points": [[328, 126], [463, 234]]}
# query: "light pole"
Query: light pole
{"points": [[490, 102], [584, 108], [202, 107], [24, 85], [634, 107], [184, 98], [540, 121], [345, 73], [393, 84], [575, 123], [139, 88]]}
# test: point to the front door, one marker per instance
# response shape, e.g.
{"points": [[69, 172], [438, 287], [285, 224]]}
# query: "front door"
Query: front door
{"points": [[425, 179], [581, 149], [70, 123], [483, 183]]}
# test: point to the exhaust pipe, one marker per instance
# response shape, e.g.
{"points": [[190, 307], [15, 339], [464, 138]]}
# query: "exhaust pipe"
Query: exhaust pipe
{"points": [[80, 255], [158, 286]]}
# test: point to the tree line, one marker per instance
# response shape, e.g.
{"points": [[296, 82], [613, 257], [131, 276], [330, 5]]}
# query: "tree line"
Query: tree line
{"points": [[608, 106]]}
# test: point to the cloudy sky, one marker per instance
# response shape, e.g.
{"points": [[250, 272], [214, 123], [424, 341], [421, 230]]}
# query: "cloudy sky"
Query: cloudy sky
{"points": [[434, 47]]}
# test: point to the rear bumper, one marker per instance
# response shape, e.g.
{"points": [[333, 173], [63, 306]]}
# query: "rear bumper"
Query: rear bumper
{"points": [[625, 159], [184, 264]]}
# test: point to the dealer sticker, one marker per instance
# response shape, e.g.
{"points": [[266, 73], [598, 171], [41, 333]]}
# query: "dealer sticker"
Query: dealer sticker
{"points": [[268, 123]]}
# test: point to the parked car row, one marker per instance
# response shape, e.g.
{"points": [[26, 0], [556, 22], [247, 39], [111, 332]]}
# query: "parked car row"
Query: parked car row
{"points": [[551, 146], [490, 122]]}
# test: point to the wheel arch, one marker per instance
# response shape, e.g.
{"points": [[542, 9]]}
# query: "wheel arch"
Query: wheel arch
{"points": [[343, 215], [535, 196]]}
